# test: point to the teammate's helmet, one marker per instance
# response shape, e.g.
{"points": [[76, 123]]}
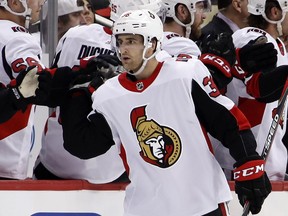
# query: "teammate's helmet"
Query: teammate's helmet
{"points": [[169, 10], [257, 7], [142, 22], [118, 7], [26, 11], [170, 6]]}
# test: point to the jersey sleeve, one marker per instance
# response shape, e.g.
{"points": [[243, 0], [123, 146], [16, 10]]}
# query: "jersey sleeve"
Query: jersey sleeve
{"points": [[22, 52], [221, 118], [176, 45]]}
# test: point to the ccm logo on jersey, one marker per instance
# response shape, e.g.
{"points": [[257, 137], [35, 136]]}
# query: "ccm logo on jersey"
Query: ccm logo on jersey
{"points": [[250, 170]]}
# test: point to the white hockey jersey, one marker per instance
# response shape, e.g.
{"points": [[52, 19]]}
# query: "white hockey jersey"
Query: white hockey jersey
{"points": [[176, 45], [19, 50], [172, 170], [77, 43], [259, 114]]}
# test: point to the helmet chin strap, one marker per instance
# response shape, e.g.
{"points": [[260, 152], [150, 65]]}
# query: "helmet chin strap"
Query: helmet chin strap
{"points": [[278, 23], [272, 21], [145, 60], [28, 18]]}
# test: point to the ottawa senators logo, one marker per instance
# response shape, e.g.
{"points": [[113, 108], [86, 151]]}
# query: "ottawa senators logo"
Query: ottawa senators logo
{"points": [[160, 145]]}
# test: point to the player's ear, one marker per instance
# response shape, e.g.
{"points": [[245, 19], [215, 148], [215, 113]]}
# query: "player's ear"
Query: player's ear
{"points": [[275, 14], [181, 12], [13, 3], [236, 4]]}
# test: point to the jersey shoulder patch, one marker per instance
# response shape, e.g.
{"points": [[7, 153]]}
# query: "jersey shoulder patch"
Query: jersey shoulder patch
{"points": [[172, 35], [19, 29]]}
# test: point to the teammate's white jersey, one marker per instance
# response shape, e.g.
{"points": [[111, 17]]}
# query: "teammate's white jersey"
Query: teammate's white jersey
{"points": [[82, 41], [175, 45], [173, 172], [18, 50], [78, 42], [259, 114]]}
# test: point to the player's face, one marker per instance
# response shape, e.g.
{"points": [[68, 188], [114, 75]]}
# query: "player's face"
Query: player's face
{"points": [[131, 49], [200, 16], [88, 14], [35, 6]]}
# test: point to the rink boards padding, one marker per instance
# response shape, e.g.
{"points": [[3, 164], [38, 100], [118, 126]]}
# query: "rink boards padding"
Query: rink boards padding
{"points": [[81, 198]]}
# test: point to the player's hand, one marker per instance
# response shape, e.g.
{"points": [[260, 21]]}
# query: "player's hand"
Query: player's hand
{"points": [[218, 55], [28, 87], [87, 83], [220, 45], [257, 56], [251, 182], [105, 64]]}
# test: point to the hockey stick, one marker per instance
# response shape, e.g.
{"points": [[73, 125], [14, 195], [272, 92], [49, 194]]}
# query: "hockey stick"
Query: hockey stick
{"points": [[103, 21], [270, 137]]}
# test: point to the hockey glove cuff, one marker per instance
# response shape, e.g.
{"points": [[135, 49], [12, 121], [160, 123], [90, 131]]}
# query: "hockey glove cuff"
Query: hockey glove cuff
{"points": [[219, 68], [251, 182]]}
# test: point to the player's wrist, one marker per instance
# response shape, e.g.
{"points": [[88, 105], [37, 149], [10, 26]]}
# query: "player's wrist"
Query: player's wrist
{"points": [[19, 102], [249, 168]]}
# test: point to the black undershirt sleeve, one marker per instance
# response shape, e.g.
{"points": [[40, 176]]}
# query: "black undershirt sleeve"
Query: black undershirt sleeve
{"points": [[271, 84], [84, 138], [7, 107], [222, 125]]}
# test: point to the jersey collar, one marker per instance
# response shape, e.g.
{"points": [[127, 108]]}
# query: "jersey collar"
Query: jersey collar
{"points": [[138, 85]]}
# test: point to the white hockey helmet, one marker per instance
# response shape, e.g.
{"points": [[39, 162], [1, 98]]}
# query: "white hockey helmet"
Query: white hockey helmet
{"points": [[26, 11], [257, 7], [118, 7], [141, 22], [170, 6]]}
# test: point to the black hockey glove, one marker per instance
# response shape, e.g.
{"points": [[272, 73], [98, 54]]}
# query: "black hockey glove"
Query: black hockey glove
{"points": [[218, 54], [251, 182], [257, 55], [87, 83], [220, 45], [105, 64], [29, 87]]}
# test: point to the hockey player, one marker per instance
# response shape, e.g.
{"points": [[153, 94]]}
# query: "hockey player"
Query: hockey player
{"points": [[87, 41], [21, 92], [182, 18], [156, 113], [54, 162], [19, 50], [257, 92]]}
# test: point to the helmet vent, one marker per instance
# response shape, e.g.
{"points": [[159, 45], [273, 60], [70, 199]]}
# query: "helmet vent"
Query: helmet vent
{"points": [[137, 25]]}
